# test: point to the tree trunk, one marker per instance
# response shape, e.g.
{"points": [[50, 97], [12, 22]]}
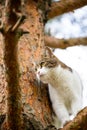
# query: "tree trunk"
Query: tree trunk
{"points": [[20, 56], [31, 48], [14, 119]]}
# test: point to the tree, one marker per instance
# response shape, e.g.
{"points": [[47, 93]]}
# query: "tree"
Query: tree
{"points": [[34, 48], [19, 58], [10, 23]]}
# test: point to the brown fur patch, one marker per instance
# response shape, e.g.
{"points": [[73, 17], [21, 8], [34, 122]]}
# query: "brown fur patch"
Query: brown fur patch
{"points": [[53, 62], [65, 66], [50, 61]]}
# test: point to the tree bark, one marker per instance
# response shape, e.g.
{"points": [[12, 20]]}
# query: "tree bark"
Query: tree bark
{"points": [[64, 43], [14, 119], [64, 6], [20, 56], [30, 50], [79, 122]]}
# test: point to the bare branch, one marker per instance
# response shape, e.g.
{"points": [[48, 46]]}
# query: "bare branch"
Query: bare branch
{"points": [[64, 6], [79, 122], [64, 43], [17, 24]]}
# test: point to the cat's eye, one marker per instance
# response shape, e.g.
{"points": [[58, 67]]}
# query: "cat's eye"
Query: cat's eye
{"points": [[41, 64], [35, 69]]}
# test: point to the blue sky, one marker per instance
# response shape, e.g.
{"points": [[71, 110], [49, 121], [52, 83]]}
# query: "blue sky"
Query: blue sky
{"points": [[73, 24]]}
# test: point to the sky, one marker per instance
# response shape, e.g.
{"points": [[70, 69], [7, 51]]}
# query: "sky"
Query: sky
{"points": [[70, 25], [73, 24]]}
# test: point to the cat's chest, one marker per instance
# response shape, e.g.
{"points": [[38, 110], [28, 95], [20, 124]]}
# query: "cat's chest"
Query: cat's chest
{"points": [[60, 85], [59, 98], [60, 93], [60, 77]]}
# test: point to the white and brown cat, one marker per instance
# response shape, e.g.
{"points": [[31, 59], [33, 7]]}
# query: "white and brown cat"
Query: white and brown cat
{"points": [[65, 88]]}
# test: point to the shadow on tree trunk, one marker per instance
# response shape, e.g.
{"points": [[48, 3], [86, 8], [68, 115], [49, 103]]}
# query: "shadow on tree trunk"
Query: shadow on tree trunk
{"points": [[30, 123]]}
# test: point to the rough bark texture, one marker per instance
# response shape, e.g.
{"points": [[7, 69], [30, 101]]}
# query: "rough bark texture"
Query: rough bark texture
{"points": [[64, 6], [31, 48], [14, 106], [79, 123], [26, 52], [14, 103], [64, 43]]}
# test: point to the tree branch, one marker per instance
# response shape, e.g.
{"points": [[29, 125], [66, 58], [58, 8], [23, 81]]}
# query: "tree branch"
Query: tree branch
{"points": [[20, 20], [79, 122], [64, 6], [64, 43]]}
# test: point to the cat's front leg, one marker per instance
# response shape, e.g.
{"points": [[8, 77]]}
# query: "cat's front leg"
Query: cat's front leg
{"points": [[61, 113], [76, 106]]}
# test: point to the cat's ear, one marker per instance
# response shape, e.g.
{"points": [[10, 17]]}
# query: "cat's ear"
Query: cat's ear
{"points": [[49, 53]]}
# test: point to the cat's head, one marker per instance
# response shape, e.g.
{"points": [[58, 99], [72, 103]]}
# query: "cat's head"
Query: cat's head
{"points": [[46, 65]]}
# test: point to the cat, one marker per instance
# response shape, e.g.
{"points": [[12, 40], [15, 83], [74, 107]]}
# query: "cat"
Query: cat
{"points": [[64, 86]]}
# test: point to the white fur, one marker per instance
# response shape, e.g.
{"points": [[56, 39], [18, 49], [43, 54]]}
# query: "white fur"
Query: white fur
{"points": [[65, 90]]}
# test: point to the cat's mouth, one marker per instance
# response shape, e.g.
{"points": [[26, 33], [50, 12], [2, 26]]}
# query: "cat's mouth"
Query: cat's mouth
{"points": [[40, 74]]}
